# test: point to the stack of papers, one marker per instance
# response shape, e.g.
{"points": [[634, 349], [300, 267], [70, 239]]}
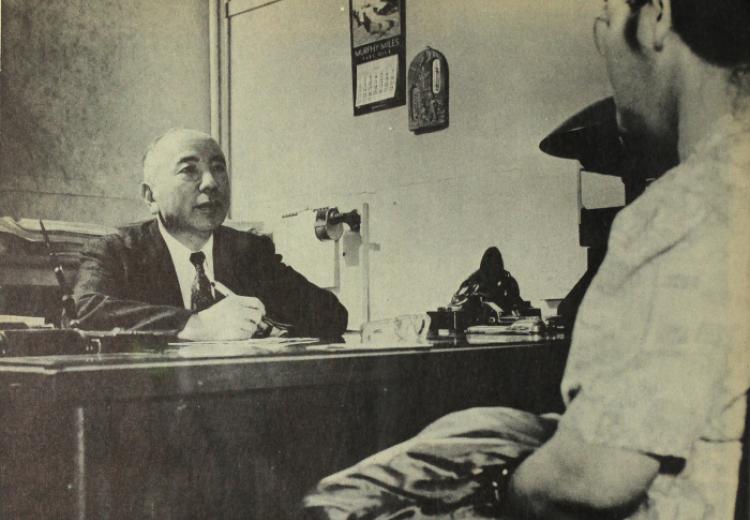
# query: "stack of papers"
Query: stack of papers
{"points": [[28, 321], [523, 325], [58, 230]]}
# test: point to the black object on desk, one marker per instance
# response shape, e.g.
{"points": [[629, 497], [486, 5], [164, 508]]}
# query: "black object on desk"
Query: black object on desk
{"points": [[41, 342], [29, 342]]}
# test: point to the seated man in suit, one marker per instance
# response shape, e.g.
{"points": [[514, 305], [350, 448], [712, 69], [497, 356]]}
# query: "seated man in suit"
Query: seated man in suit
{"points": [[184, 271], [657, 377]]}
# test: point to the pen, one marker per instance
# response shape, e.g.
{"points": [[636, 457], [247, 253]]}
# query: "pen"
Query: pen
{"points": [[268, 322]]}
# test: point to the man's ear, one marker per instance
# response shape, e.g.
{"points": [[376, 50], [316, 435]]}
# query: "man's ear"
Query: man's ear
{"points": [[663, 25], [148, 197]]}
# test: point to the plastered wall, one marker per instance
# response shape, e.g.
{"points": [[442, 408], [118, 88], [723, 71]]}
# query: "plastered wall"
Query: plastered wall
{"points": [[85, 85], [518, 68]]}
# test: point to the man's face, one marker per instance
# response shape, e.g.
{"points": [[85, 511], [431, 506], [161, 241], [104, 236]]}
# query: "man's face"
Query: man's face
{"points": [[189, 184], [640, 75]]}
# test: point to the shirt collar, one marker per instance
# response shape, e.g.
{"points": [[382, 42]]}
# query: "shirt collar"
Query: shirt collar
{"points": [[178, 250]]}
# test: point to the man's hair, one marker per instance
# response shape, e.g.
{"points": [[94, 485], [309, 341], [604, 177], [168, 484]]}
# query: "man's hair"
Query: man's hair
{"points": [[718, 31], [149, 167]]}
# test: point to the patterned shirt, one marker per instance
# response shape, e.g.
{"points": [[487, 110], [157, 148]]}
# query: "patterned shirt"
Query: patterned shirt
{"points": [[659, 362]]}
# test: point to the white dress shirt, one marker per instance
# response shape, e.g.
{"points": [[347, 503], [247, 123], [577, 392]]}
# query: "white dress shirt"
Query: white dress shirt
{"points": [[183, 267]]}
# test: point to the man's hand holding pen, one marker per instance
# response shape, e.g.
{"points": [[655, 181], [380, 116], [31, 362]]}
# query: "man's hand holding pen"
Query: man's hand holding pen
{"points": [[233, 318]]}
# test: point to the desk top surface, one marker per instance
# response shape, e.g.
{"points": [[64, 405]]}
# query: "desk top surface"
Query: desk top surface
{"points": [[263, 351], [224, 367]]}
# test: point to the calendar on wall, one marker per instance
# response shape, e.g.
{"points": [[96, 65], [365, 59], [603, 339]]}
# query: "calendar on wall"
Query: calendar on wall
{"points": [[378, 42]]}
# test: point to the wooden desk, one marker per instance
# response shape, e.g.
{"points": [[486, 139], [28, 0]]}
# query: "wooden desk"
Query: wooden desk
{"points": [[159, 436]]}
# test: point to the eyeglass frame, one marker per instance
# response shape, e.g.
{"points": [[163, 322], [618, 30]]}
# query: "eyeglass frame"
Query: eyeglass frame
{"points": [[597, 44]]}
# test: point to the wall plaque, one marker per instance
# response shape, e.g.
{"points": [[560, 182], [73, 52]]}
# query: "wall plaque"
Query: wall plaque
{"points": [[428, 92]]}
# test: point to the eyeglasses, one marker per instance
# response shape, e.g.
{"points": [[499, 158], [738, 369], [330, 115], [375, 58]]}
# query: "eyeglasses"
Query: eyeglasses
{"points": [[600, 21]]}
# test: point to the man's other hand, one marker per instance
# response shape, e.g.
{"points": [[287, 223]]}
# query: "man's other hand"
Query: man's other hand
{"points": [[234, 317]]}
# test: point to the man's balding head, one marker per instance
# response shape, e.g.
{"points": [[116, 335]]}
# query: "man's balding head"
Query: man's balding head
{"points": [[156, 148], [186, 183]]}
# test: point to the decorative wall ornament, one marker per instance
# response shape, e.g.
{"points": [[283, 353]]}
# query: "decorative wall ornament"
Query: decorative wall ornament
{"points": [[427, 85]]}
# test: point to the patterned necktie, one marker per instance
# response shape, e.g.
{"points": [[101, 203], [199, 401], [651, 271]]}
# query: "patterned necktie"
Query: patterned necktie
{"points": [[200, 293]]}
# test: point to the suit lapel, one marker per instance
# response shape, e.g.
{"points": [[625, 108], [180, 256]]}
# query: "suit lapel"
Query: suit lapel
{"points": [[230, 264], [166, 287], [222, 252]]}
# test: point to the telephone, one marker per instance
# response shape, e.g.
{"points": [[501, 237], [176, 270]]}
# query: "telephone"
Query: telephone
{"points": [[489, 296]]}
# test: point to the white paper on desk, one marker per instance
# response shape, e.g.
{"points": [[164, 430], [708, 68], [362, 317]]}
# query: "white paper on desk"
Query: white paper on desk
{"points": [[354, 347], [294, 237], [247, 347]]}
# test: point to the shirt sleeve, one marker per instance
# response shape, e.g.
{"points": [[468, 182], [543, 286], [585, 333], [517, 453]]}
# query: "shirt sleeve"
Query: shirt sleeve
{"points": [[656, 406], [289, 297], [654, 389]]}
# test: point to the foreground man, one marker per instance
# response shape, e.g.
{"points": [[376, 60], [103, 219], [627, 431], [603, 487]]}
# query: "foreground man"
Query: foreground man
{"points": [[184, 271], [658, 370]]}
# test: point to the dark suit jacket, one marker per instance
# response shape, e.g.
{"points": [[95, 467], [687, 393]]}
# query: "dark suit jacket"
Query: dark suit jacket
{"points": [[128, 280]]}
